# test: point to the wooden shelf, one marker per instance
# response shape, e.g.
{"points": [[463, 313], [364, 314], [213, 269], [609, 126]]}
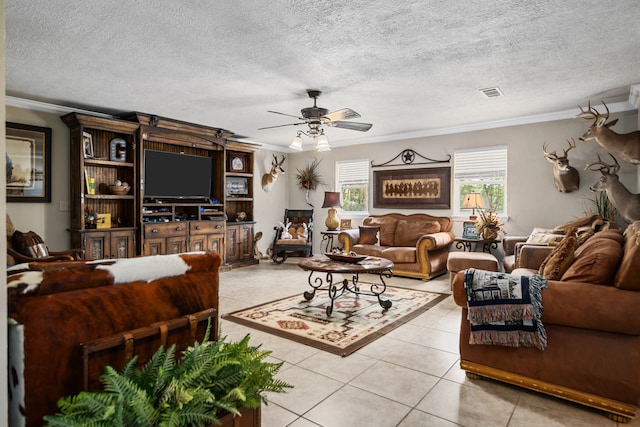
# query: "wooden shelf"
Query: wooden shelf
{"points": [[105, 162]]}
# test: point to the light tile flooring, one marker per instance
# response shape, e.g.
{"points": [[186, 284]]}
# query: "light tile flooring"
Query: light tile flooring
{"points": [[408, 378]]}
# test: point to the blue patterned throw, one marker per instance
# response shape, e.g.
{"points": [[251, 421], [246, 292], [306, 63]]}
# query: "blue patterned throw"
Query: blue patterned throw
{"points": [[504, 309]]}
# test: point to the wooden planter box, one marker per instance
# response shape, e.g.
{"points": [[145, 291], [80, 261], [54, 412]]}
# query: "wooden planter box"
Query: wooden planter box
{"points": [[249, 418]]}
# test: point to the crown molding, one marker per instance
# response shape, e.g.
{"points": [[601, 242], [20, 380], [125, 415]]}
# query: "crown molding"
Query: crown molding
{"points": [[45, 107]]}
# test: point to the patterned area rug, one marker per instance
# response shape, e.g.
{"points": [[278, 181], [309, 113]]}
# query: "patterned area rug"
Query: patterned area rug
{"points": [[356, 320]]}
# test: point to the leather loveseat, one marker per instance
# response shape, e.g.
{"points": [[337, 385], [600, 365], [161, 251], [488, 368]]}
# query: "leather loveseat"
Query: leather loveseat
{"points": [[593, 328], [57, 309], [417, 244]]}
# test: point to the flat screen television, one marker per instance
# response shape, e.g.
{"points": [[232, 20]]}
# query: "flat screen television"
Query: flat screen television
{"points": [[177, 176]]}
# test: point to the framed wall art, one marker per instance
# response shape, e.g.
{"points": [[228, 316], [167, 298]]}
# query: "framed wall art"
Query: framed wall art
{"points": [[237, 162], [28, 163], [428, 188]]}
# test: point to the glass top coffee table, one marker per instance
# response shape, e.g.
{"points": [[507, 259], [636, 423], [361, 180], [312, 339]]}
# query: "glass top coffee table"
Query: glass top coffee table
{"points": [[319, 267]]}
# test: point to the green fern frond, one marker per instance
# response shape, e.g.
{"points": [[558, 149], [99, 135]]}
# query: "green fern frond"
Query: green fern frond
{"points": [[212, 377]]}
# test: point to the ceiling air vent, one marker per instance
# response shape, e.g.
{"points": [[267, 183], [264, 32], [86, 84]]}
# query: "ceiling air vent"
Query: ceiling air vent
{"points": [[491, 92]]}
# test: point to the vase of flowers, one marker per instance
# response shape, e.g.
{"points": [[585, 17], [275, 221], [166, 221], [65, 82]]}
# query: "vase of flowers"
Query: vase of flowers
{"points": [[489, 225]]}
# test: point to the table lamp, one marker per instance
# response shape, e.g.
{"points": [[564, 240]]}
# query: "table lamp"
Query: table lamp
{"points": [[472, 201], [332, 201]]}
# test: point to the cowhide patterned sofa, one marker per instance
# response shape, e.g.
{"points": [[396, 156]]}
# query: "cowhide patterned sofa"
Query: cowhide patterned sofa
{"points": [[56, 307]]}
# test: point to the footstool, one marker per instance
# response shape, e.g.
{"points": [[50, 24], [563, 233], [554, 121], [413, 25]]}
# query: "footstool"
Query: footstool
{"points": [[459, 261]]}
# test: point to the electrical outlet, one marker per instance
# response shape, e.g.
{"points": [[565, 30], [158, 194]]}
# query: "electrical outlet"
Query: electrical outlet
{"points": [[63, 207]]}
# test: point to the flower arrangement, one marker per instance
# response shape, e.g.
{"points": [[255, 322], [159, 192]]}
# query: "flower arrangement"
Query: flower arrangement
{"points": [[488, 224], [309, 178]]}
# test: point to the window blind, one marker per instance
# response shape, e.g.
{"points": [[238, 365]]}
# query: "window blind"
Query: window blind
{"points": [[485, 163]]}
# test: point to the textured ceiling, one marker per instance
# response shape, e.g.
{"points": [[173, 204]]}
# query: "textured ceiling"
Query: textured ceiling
{"points": [[407, 67]]}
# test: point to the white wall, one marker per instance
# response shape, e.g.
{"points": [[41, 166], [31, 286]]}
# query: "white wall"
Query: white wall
{"points": [[4, 350], [532, 196], [269, 206], [45, 218]]}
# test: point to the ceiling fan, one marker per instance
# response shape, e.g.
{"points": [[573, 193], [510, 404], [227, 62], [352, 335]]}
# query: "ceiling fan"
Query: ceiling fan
{"points": [[316, 117]]}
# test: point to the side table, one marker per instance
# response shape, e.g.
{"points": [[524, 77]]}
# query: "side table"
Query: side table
{"points": [[327, 240], [471, 245]]}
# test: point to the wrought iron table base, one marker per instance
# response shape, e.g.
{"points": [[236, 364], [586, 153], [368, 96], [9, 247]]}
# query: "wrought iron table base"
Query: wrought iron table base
{"points": [[336, 290]]}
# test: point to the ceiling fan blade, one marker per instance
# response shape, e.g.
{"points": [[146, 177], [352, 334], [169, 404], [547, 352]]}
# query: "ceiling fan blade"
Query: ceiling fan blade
{"points": [[343, 114], [362, 127], [284, 114], [280, 126]]}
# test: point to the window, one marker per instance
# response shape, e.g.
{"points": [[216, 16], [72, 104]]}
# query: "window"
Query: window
{"points": [[352, 181], [484, 171]]}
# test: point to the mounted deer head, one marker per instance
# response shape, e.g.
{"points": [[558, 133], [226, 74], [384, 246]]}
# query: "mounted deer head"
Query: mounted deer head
{"points": [[626, 145], [625, 202], [268, 179], [566, 177]]}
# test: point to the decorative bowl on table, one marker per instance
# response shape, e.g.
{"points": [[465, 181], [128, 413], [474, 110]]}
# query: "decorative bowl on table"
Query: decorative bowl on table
{"points": [[119, 190], [350, 258]]}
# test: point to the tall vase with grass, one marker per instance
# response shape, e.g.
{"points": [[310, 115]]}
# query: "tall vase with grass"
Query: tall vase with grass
{"points": [[600, 205]]}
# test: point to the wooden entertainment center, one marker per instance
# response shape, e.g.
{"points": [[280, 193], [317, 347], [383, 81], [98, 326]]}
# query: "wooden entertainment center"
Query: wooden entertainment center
{"points": [[109, 221]]}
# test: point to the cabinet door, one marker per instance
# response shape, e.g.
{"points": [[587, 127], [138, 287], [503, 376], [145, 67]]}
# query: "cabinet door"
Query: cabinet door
{"points": [[198, 243], [233, 253], [156, 246], [215, 243], [123, 244], [97, 245], [176, 245], [246, 241]]}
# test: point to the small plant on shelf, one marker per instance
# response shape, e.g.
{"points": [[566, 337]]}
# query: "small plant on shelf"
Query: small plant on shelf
{"points": [[212, 378]]}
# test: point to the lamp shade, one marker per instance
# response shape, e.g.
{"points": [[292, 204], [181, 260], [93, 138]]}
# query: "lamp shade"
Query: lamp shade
{"points": [[331, 199], [322, 143], [296, 144], [472, 201]]}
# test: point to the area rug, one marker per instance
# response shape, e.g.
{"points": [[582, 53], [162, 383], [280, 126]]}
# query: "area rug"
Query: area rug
{"points": [[356, 320]]}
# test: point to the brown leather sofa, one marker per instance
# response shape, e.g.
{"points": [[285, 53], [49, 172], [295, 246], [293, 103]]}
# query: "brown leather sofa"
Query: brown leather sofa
{"points": [[592, 323], [57, 309], [417, 244]]}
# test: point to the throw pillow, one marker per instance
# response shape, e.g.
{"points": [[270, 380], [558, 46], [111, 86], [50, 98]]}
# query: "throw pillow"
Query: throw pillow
{"points": [[628, 277], [597, 260], [29, 244], [560, 258], [387, 226], [368, 235], [408, 232], [544, 236]]}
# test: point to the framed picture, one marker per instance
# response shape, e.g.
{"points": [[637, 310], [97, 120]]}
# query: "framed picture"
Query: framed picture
{"points": [[428, 188], [87, 142], [237, 162], [28, 158], [237, 187], [469, 230], [345, 224]]}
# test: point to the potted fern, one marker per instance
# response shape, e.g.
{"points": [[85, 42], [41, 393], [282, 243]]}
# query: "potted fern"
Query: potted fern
{"points": [[210, 380]]}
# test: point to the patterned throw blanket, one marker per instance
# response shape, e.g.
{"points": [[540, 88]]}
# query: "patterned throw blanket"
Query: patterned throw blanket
{"points": [[505, 309]]}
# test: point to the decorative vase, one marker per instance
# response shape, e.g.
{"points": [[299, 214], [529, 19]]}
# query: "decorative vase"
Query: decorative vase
{"points": [[332, 222], [490, 233]]}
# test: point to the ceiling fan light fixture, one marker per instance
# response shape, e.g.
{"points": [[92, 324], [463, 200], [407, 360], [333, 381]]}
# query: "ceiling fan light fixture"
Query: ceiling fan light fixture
{"points": [[296, 143], [322, 143]]}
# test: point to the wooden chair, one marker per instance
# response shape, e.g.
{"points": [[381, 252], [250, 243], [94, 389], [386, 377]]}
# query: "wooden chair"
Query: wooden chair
{"points": [[15, 256], [281, 248]]}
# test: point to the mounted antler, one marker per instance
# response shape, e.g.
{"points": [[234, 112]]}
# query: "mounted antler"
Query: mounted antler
{"points": [[604, 167], [268, 179], [565, 177], [627, 203], [626, 145]]}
